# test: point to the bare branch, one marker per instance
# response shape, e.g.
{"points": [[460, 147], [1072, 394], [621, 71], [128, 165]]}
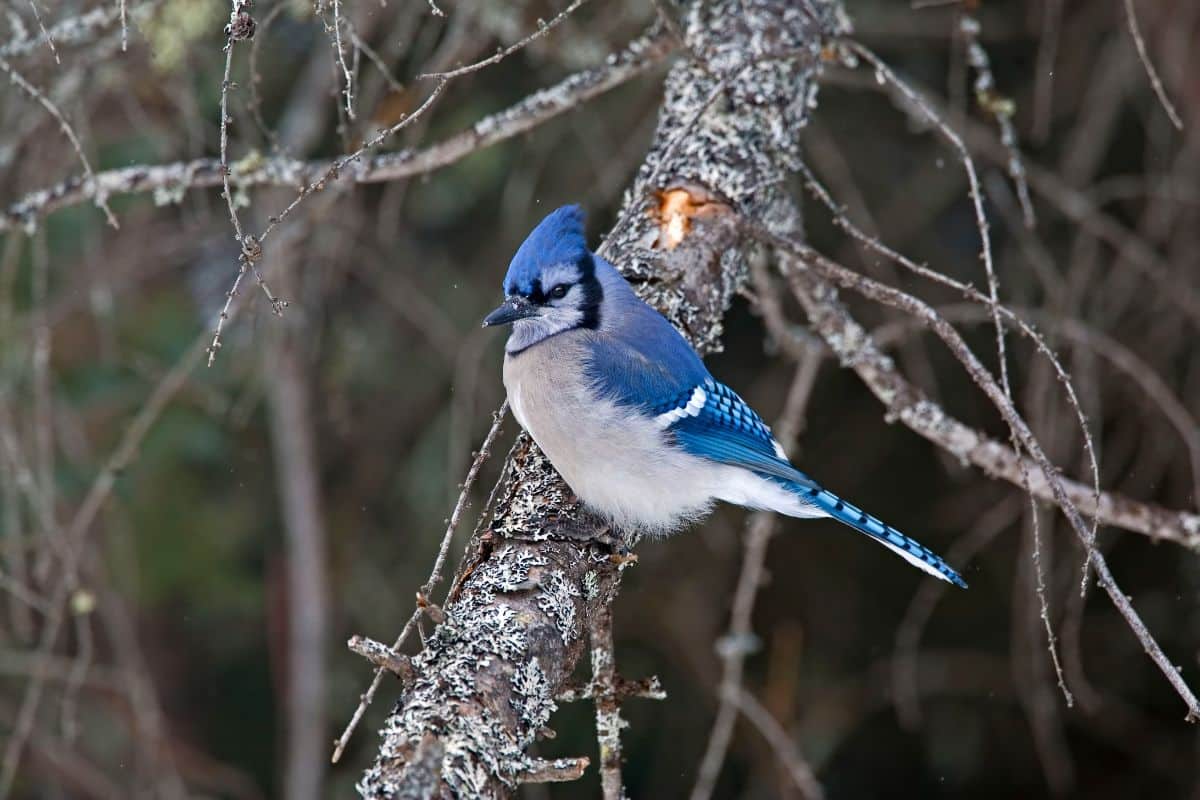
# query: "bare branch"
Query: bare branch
{"points": [[786, 752], [557, 771], [543, 29], [99, 196], [37, 15], [739, 641], [435, 576], [382, 656], [336, 34], [1151, 73], [79, 29], [293, 428], [1000, 108], [241, 26], [1148, 382], [1082, 209], [166, 181], [854, 345]]}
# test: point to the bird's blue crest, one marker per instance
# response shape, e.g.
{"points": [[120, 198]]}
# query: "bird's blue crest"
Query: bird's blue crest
{"points": [[558, 239]]}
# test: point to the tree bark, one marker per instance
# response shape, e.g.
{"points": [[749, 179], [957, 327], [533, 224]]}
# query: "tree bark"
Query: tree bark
{"points": [[728, 135]]}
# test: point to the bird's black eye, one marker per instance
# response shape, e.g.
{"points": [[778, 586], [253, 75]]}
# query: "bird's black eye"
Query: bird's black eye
{"points": [[559, 291]]}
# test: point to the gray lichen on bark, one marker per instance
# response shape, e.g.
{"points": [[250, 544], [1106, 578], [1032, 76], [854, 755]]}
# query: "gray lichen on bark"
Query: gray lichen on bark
{"points": [[727, 138]]}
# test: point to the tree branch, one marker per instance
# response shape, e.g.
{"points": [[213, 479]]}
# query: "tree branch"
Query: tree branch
{"points": [[168, 182], [904, 402], [808, 272], [486, 683]]}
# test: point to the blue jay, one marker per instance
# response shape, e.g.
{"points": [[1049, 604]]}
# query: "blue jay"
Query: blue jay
{"points": [[627, 413]]}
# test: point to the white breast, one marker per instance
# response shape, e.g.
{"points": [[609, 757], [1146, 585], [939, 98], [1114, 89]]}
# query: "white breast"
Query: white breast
{"points": [[613, 458]]}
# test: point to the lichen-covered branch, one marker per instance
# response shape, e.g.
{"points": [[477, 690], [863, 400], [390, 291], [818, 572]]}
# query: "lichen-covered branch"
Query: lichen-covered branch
{"points": [[168, 182], [604, 688], [808, 272], [727, 137], [905, 403]]}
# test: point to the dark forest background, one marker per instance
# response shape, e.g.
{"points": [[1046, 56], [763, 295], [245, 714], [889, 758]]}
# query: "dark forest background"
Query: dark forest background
{"points": [[172, 672]]}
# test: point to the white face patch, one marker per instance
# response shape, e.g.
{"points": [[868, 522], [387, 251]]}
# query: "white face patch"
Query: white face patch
{"points": [[555, 314], [692, 408]]}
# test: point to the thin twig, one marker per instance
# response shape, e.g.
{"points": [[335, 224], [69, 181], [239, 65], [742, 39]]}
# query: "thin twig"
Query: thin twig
{"points": [[43, 401], [786, 752], [435, 576], [336, 32], [374, 57], [905, 689], [250, 247], [1078, 207], [333, 171], [99, 196], [20, 619], [102, 486], [1000, 108], [255, 103], [904, 302], [24, 593], [77, 29], [992, 301], [26, 715], [1151, 73], [45, 33], [733, 648], [80, 665], [543, 28], [739, 640]]}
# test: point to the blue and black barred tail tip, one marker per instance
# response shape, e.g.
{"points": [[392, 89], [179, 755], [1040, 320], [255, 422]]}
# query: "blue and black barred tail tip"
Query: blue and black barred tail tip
{"points": [[906, 547]]}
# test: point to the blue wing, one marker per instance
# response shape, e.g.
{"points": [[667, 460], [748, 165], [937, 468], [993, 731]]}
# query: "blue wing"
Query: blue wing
{"points": [[642, 362], [656, 371], [714, 423], [646, 364]]}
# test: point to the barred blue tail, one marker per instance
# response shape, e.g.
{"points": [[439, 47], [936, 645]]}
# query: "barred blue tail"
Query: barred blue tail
{"points": [[908, 548]]}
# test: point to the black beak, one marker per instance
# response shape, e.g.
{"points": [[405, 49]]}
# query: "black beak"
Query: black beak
{"points": [[513, 308]]}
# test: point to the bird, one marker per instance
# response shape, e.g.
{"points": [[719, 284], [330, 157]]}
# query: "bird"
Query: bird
{"points": [[626, 411]]}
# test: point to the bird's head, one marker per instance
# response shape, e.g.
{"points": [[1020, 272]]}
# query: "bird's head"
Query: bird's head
{"points": [[551, 284]]}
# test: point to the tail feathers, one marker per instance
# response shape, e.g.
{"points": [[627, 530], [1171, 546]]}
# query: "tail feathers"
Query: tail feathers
{"points": [[906, 547]]}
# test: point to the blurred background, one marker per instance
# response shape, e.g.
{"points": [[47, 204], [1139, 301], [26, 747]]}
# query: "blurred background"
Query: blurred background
{"points": [[200, 542]]}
